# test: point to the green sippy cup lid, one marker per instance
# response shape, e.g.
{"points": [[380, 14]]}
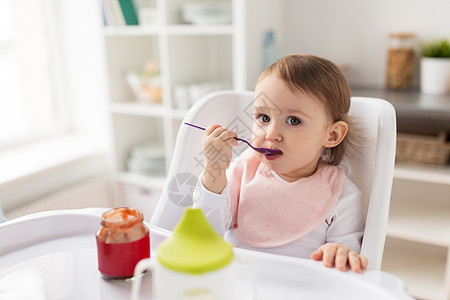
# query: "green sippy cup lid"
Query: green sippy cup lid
{"points": [[194, 247]]}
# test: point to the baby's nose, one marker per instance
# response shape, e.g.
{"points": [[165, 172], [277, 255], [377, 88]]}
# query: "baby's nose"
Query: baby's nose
{"points": [[273, 133]]}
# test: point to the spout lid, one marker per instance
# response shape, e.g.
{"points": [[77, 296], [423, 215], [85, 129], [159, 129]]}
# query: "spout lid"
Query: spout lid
{"points": [[194, 247]]}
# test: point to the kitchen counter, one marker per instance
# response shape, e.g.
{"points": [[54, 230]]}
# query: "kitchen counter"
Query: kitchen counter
{"points": [[416, 112]]}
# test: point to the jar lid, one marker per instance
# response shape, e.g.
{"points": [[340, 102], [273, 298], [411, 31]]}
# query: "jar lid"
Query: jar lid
{"points": [[194, 247], [402, 35]]}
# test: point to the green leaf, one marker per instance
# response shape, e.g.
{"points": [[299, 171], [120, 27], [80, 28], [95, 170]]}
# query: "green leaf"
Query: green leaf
{"points": [[436, 49]]}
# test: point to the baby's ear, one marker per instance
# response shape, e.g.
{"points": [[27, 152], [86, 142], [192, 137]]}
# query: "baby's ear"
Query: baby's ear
{"points": [[336, 133]]}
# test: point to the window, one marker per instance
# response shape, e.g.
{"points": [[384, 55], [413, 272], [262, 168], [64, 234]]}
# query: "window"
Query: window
{"points": [[29, 85]]}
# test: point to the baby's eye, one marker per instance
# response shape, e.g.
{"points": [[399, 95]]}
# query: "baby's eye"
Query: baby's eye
{"points": [[263, 118], [293, 121]]}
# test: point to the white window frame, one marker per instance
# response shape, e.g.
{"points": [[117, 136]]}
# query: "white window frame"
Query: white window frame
{"points": [[58, 83], [78, 152]]}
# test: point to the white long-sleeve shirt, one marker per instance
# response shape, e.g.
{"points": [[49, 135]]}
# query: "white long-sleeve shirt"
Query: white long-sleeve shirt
{"points": [[344, 225]]}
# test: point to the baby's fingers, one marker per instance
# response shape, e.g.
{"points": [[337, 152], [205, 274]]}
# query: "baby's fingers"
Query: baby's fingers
{"points": [[342, 256], [211, 128], [326, 253], [227, 135], [364, 262], [354, 262], [329, 254], [214, 130], [317, 255], [357, 262]]}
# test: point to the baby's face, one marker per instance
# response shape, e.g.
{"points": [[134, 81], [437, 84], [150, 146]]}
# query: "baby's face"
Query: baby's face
{"points": [[297, 124]]}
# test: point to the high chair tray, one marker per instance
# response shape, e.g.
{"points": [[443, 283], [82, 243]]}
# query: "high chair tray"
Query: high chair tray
{"points": [[281, 277], [52, 255]]}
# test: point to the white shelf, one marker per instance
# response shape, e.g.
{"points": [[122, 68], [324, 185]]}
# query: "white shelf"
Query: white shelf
{"points": [[139, 109], [183, 29], [126, 31], [430, 174], [418, 244], [185, 54], [422, 269], [199, 30], [146, 109], [427, 223], [150, 182]]}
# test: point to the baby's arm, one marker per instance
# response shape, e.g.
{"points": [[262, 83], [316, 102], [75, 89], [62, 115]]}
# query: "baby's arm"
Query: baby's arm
{"points": [[216, 207], [212, 196], [217, 146], [344, 233]]}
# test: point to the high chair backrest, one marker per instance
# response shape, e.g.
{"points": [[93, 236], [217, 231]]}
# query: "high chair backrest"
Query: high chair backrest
{"points": [[372, 172]]}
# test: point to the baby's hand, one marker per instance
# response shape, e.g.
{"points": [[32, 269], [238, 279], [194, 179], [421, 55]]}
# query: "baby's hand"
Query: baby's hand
{"points": [[217, 145], [339, 256]]}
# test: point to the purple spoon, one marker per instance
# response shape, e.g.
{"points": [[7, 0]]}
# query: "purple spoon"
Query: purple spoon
{"points": [[265, 151]]}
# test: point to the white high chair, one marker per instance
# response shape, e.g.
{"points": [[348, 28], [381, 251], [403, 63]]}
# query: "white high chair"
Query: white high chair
{"points": [[372, 173]]}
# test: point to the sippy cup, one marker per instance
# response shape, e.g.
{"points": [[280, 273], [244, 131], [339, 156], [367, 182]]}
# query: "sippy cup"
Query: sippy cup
{"points": [[194, 263]]}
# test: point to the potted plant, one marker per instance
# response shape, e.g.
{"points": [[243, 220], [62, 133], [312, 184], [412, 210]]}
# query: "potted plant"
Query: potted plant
{"points": [[435, 68]]}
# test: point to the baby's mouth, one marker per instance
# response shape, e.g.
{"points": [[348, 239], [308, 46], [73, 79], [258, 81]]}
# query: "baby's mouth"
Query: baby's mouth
{"points": [[272, 156], [274, 152]]}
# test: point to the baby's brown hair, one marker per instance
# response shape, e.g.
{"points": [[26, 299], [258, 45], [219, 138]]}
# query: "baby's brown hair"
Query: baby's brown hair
{"points": [[319, 77]]}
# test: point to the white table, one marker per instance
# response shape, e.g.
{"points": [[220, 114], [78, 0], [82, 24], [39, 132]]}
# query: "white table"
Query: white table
{"points": [[52, 255]]}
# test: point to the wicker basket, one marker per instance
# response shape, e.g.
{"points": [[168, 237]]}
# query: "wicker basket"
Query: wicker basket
{"points": [[423, 148]]}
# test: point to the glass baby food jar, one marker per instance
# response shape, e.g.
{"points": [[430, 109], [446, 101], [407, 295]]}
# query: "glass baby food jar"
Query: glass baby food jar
{"points": [[122, 241], [400, 60]]}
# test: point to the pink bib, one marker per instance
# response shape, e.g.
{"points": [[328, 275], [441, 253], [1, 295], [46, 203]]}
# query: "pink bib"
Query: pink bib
{"points": [[268, 212]]}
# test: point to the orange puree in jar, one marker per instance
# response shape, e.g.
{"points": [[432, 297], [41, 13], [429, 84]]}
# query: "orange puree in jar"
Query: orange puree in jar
{"points": [[122, 225]]}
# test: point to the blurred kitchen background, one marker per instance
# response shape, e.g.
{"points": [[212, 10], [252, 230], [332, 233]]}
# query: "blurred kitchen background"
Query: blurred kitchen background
{"points": [[92, 94]]}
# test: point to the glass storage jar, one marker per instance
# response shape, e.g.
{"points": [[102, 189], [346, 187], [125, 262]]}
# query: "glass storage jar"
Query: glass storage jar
{"points": [[122, 241], [400, 60]]}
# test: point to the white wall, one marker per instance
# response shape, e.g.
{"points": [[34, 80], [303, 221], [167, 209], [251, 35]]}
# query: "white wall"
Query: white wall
{"points": [[355, 32], [262, 16]]}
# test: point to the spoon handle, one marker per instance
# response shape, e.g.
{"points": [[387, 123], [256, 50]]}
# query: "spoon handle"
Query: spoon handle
{"points": [[194, 126], [198, 127], [242, 140]]}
